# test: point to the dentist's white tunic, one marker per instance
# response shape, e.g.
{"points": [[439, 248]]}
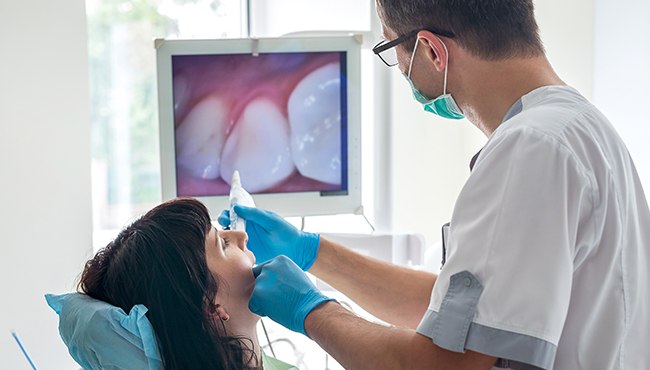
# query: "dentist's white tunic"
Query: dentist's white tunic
{"points": [[548, 251]]}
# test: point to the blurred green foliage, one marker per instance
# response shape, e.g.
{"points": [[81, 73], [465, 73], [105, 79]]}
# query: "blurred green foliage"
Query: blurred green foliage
{"points": [[123, 94]]}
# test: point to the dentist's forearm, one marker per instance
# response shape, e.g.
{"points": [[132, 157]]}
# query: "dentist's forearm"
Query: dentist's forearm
{"points": [[358, 344], [395, 294]]}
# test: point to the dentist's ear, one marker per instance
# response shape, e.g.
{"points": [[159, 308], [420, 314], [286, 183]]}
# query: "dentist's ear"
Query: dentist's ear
{"points": [[434, 49]]}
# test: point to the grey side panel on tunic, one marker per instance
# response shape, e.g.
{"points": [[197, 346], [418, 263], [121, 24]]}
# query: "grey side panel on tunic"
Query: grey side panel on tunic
{"points": [[453, 329]]}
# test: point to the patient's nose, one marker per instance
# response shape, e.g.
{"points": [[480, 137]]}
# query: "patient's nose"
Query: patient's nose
{"points": [[240, 238]]}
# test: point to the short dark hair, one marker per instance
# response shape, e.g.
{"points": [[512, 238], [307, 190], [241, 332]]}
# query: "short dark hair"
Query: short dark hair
{"points": [[159, 261], [489, 29]]}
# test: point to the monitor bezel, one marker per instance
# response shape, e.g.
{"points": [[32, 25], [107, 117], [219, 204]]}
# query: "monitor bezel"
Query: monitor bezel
{"points": [[285, 204]]}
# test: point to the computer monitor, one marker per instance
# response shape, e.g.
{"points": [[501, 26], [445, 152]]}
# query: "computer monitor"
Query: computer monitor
{"points": [[284, 112]]}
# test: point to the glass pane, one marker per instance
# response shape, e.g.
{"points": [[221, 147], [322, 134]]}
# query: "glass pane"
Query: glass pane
{"points": [[272, 18], [125, 173]]}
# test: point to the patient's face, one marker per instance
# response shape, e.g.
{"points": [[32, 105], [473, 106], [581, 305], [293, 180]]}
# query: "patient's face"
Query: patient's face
{"points": [[231, 262]]}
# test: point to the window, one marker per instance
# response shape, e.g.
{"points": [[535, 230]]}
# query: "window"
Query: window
{"points": [[125, 167], [273, 18]]}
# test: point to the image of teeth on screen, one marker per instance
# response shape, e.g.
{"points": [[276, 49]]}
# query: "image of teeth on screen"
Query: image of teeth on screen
{"points": [[279, 119]]}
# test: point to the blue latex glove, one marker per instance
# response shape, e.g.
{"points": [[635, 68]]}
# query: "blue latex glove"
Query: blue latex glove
{"points": [[269, 236], [284, 293]]}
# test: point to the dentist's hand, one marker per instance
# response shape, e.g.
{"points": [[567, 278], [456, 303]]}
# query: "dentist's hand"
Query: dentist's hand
{"points": [[269, 236], [284, 293]]}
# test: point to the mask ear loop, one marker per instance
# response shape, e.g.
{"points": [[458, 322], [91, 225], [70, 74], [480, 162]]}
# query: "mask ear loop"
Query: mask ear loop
{"points": [[415, 49]]}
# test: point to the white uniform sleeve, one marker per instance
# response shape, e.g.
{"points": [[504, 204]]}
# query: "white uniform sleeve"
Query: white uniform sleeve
{"points": [[505, 288]]}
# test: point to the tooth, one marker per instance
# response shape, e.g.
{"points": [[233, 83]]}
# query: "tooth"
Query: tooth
{"points": [[200, 138], [258, 147], [315, 119], [181, 93]]}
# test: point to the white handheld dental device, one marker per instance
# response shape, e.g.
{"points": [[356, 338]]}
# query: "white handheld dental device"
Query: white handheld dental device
{"points": [[238, 196]]}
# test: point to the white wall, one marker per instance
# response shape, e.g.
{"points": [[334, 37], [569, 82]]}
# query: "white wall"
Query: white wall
{"points": [[431, 155], [45, 220], [622, 74], [567, 29]]}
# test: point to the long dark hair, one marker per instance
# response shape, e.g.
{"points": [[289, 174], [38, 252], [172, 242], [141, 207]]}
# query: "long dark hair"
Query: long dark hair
{"points": [[159, 261]]}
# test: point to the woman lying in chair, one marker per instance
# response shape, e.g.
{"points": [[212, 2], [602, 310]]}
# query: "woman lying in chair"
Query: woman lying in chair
{"points": [[194, 280]]}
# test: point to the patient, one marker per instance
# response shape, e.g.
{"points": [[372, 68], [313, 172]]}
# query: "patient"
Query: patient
{"points": [[196, 282]]}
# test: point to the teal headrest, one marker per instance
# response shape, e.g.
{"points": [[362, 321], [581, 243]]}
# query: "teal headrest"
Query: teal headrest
{"points": [[101, 336]]}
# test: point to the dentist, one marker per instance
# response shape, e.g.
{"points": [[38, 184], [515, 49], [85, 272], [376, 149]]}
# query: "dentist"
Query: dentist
{"points": [[548, 249]]}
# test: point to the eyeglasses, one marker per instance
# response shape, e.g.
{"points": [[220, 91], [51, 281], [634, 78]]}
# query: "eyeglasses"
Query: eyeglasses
{"points": [[386, 51]]}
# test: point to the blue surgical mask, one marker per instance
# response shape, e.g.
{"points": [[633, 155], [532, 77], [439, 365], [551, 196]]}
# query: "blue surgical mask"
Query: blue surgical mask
{"points": [[444, 106]]}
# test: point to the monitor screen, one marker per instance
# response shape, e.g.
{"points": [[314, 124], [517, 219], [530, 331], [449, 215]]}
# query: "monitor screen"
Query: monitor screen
{"points": [[282, 112]]}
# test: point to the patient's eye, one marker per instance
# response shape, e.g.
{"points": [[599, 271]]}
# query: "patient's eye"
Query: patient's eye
{"points": [[220, 240], [224, 243]]}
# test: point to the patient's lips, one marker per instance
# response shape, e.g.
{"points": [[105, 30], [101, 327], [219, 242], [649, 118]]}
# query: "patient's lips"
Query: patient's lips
{"points": [[200, 138], [258, 147], [315, 119]]}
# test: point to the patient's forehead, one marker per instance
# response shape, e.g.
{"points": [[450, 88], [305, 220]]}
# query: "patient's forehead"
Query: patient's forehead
{"points": [[211, 238]]}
